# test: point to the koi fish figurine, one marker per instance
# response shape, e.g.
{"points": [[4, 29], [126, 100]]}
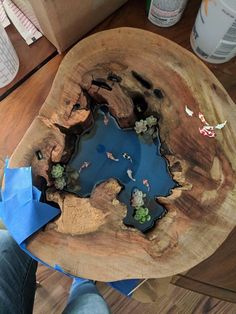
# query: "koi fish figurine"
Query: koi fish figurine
{"points": [[110, 156], [207, 131], [105, 120], [146, 183], [84, 165], [130, 174], [202, 118], [221, 125], [188, 111], [126, 156]]}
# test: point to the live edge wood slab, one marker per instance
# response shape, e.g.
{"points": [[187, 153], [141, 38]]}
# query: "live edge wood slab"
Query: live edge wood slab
{"points": [[201, 210]]}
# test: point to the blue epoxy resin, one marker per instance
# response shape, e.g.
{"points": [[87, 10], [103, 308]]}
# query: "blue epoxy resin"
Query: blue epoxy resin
{"points": [[147, 163]]}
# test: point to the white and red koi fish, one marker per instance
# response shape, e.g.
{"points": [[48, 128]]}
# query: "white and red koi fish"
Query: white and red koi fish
{"points": [[146, 183], [202, 118], [84, 165], [110, 156], [207, 131]]}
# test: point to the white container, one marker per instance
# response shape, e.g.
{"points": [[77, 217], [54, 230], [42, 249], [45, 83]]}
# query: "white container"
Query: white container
{"points": [[213, 37], [166, 13], [9, 62]]}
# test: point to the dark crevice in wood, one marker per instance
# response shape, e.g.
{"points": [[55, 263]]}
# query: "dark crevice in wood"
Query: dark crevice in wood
{"points": [[114, 77], [143, 81], [70, 140], [101, 83], [76, 107], [158, 93], [176, 167], [42, 185], [87, 96], [140, 104], [39, 155]]}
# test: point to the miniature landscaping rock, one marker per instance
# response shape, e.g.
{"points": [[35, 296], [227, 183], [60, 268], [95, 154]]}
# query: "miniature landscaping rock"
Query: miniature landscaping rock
{"points": [[136, 74]]}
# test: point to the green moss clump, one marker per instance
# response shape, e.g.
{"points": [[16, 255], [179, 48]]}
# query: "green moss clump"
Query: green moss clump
{"points": [[140, 126], [147, 127], [151, 121], [57, 171], [59, 176], [60, 183], [142, 215]]}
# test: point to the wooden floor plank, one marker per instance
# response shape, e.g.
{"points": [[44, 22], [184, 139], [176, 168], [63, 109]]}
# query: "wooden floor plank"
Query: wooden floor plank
{"points": [[51, 295], [19, 109], [53, 292]]}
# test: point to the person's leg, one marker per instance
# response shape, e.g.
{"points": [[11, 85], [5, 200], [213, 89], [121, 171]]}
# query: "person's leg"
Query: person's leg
{"points": [[85, 299], [17, 277]]}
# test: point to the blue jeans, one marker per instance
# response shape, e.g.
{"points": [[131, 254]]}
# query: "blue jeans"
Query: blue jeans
{"points": [[18, 284]]}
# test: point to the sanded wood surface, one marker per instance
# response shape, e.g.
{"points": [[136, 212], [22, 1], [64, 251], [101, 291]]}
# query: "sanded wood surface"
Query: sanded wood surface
{"points": [[30, 56], [204, 202]]}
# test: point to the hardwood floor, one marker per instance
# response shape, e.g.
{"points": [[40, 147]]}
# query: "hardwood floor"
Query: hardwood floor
{"points": [[52, 294]]}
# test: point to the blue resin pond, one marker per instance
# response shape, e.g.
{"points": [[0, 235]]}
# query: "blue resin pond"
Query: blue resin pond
{"points": [[146, 164]]}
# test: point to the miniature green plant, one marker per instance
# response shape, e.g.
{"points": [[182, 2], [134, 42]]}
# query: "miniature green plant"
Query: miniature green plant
{"points": [[60, 183], [137, 198], [57, 171], [142, 215], [59, 176], [151, 121], [140, 126], [147, 127]]}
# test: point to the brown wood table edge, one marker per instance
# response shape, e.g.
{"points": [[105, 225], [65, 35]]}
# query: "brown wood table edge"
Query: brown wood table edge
{"points": [[103, 34]]}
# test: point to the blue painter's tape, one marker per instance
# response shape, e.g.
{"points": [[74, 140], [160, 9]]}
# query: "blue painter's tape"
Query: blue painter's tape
{"points": [[20, 209], [23, 215], [125, 286]]}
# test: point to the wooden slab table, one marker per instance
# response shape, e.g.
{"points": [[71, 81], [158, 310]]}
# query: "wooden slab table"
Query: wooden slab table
{"points": [[217, 275]]}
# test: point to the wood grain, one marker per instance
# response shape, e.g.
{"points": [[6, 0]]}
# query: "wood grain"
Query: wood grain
{"points": [[132, 14], [30, 56], [52, 293], [202, 204]]}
